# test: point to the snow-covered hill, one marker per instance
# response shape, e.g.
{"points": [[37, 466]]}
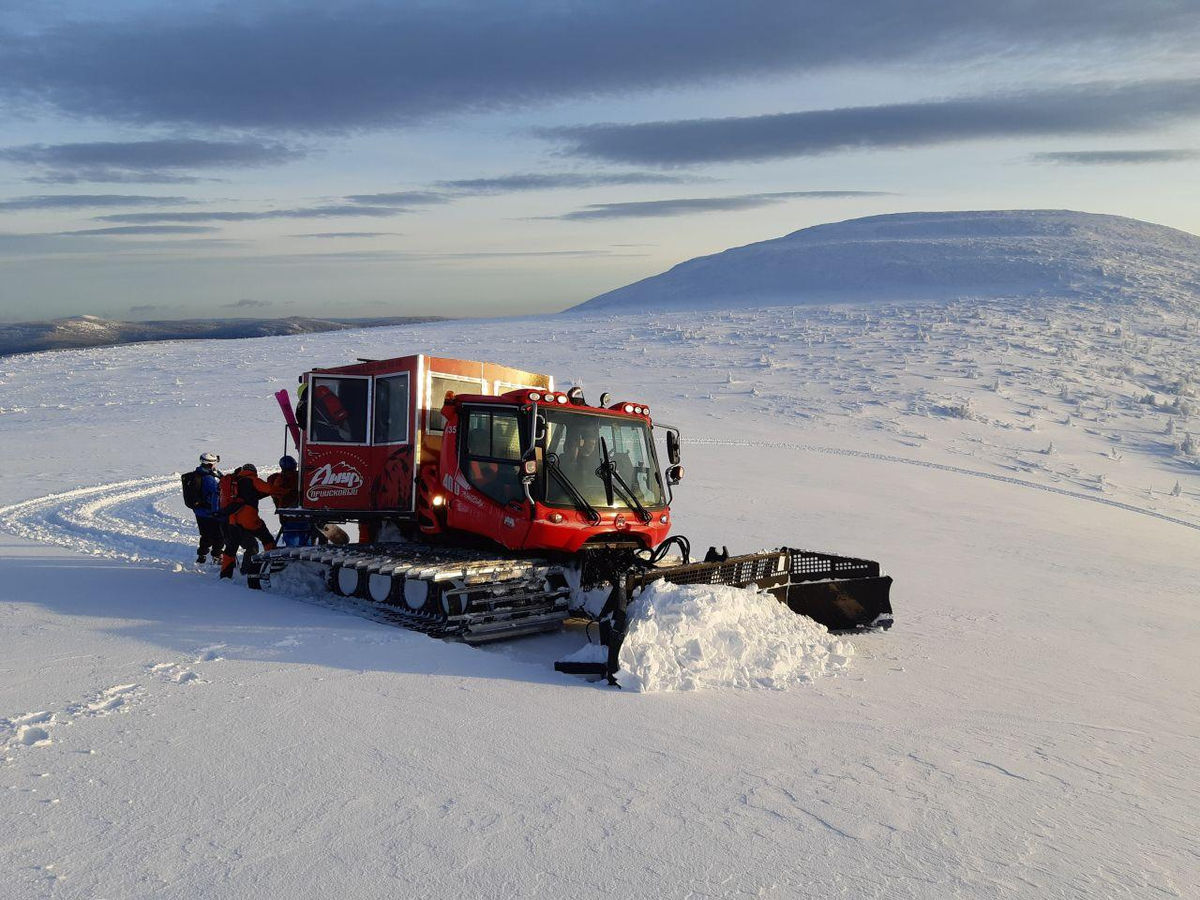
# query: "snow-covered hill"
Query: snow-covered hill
{"points": [[1027, 470], [934, 256]]}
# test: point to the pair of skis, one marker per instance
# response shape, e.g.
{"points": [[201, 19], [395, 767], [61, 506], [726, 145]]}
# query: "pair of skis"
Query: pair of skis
{"points": [[285, 404]]}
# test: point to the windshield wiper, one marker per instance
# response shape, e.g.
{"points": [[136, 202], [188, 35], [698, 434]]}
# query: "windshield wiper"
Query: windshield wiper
{"points": [[612, 479], [567, 485]]}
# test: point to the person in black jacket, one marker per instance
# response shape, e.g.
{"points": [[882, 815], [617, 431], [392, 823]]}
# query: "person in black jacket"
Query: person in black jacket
{"points": [[207, 521]]}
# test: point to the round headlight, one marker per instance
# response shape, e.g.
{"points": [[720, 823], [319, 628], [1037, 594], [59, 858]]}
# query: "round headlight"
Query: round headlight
{"points": [[628, 407], [535, 397], [562, 398]]}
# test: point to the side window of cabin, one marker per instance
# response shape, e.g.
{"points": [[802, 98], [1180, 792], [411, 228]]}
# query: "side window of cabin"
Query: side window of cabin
{"points": [[492, 451], [438, 385], [391, 409], [338, 409]]}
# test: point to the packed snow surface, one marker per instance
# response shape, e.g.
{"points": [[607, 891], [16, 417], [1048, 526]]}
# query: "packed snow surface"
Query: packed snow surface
{"points": [[688, 637], [1027, 470]]}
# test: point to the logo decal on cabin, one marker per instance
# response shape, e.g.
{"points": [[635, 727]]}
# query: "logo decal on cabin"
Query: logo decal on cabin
{"points": [[334, 480]]}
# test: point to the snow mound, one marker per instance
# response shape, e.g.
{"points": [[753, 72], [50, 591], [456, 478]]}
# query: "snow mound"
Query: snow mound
{"points": [[692, 637], [932, 256]]}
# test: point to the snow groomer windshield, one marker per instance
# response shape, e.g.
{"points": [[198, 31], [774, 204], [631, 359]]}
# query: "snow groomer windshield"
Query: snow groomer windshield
{"points": [[578, 442]]}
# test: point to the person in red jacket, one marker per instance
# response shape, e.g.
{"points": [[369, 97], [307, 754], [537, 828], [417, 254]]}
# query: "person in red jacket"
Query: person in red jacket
{"points": [[285, 484], [246, 527], [285, 491]]}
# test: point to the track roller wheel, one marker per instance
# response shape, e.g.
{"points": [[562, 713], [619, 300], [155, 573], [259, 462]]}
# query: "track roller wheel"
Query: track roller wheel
{"points": [[380, 588], [346, 581], [421, 597]]}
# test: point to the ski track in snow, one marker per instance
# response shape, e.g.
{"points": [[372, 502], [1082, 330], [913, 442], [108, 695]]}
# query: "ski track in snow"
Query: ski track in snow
{"points": [[135, 521], [128, 520]]}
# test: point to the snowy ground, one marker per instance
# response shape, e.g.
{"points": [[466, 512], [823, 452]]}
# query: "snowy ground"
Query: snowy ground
{"points": [[1029, 727]]}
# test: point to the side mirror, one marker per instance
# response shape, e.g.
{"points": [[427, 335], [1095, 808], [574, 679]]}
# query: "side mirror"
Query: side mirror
{"points": [[527, 469], [674, 474], [604, 398], [673, 448]]}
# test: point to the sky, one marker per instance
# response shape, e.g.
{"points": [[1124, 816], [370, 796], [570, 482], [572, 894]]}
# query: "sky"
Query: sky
{"points": [[163, 160]]}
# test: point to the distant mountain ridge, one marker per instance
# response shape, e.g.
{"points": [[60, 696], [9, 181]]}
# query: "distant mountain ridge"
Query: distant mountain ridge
{"points": [[91, 331], [932, 256]]}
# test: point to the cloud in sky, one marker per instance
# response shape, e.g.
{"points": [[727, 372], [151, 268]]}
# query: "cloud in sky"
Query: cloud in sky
{"points": [[246, 303], [347, 234], [507, 184], [400, 256], [101, 175], [144, 229], [1115, 157], [307, 212], [84, 201], [510, 254], [1083, 109], [155, 161], [356, 205], [504, 184], [400, 198], [682, 207], [317, 66]]}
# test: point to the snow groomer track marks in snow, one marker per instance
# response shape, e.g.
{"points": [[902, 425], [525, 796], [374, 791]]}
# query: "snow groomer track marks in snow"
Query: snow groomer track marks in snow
{"points": [[489, 505]]}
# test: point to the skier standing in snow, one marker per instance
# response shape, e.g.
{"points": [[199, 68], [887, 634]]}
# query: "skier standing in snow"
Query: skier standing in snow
{"points": [[206, 477], [245, 527]]}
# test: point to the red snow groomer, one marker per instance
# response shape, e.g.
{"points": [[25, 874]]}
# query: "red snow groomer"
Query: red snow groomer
{"points": [[489, 504]]}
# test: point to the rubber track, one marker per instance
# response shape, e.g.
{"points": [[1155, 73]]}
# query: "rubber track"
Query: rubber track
{"points": [[515, 595]]}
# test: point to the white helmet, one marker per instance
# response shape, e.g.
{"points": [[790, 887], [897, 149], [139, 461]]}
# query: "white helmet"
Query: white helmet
{"points": [[209, 459]]}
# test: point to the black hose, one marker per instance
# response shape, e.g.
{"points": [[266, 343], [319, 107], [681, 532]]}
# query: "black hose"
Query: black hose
{"points": [[656, 556]]}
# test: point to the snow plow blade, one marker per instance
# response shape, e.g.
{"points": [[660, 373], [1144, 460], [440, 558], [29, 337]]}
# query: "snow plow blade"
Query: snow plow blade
{"points": [[840, 592]]}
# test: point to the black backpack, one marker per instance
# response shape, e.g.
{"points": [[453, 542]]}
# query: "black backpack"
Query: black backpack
{"points": [[193, 490]]}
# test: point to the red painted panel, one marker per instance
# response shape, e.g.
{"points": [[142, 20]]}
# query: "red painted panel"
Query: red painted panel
{"points": [[336, 477], [392, 477]]}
